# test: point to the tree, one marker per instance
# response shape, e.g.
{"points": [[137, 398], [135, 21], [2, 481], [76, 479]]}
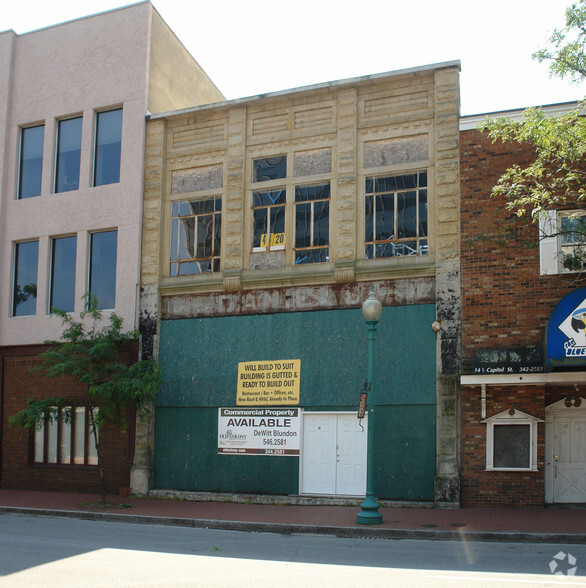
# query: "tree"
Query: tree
{"points": [[566, 53], [556, 178], [89, 353]]}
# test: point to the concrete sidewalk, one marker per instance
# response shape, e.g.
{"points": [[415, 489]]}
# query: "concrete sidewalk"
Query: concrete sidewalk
{"points": [[553, 525]]}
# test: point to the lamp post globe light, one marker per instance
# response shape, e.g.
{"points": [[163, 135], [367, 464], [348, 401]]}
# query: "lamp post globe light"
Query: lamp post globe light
{"points": [[369, 515]]}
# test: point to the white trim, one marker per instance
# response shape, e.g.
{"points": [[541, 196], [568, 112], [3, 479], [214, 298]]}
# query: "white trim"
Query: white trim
{"points": [[556, 410], [471, 121], [548, 379], [506, 418]]}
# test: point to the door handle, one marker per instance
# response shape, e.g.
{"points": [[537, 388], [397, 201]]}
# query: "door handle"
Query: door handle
{"points": [[555, 466]]}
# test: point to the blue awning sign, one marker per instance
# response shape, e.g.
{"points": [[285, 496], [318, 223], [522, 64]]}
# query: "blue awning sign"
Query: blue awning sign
{"points": [[566, 331]]}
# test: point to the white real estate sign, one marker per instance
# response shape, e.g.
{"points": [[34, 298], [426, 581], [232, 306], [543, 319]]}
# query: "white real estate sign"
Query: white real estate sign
{"points": [[259, 431]]}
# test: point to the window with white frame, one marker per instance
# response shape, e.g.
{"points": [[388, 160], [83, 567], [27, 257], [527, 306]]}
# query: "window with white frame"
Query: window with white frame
{"points": [[279, 191], [562, 241], [395, 215], [66, 437], [511, 441]]}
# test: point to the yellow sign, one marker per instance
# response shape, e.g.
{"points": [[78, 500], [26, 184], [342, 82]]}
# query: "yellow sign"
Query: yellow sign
{"points": [[275, 240], [268, 382]]}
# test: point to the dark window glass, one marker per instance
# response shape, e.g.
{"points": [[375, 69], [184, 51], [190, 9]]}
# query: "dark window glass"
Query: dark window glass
{"points": [[103, 249], [24, 297], [63, 256], [312, 223], [31, 161], [395, 215], [268, 219], [108, 147], [195, 236], [312, 256], [512, 446], [259, 226], [269, 168], [68, 155]]}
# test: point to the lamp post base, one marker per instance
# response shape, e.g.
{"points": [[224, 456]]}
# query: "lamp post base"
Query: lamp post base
{"points": [[369, 514]]}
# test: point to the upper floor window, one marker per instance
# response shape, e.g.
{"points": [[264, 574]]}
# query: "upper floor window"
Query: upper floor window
{"points": [[62, 285], [562, 241], [108, 147], [102, 270], [196, 228], [268, 219], [395, 216], [285, 195], [312, 223], [24, 287], [31, 161], [68, 154]]}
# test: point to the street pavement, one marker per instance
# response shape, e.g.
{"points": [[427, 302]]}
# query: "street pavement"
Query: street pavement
{"points": [[405, 521]]}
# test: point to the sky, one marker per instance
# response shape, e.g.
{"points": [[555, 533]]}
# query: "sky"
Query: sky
{"points": [[258, 46]]}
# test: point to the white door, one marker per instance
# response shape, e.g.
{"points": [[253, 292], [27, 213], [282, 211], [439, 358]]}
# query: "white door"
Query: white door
{"points": [[334, 454], [569, 459]]}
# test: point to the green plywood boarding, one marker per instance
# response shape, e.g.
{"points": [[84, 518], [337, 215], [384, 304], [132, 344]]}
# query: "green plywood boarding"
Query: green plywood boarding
{"points": [[186, 456], [200, 357]]}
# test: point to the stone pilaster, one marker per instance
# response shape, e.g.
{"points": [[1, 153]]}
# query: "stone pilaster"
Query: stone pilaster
{"points": [[141, 471], [233, 213], [346, 169], [447, 227]]}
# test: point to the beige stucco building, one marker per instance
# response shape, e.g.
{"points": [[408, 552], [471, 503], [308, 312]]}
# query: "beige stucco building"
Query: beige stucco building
{"points": [[266, 222], [73, 102]]}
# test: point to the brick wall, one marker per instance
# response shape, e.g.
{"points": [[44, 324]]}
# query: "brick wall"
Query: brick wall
{"points": [[505, 304], [17, 469]]}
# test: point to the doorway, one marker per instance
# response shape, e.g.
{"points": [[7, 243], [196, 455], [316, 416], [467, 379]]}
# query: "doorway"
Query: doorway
{"points": [[334, 454], [565, 452]]}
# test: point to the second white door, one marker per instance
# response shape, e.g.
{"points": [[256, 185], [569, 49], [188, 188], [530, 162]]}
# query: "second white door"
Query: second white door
{"points": [[334, 454]]}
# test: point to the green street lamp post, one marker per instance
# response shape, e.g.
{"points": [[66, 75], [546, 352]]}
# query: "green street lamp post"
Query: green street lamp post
{"points": [[369, 515]]}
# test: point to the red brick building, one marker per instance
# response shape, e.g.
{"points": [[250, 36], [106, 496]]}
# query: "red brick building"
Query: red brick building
{"points": [[523, 422], [59, 456]]}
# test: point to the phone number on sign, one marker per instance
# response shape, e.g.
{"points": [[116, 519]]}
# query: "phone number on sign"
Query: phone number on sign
{"points": [[274, 441]]}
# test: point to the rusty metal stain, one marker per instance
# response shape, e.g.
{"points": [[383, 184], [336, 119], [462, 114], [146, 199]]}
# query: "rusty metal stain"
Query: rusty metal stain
{"points": [[399, 292]]}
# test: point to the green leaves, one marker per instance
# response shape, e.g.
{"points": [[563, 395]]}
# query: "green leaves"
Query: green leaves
{"points": [[566, 51], [39, 411], [555, 178], [91, 351]]}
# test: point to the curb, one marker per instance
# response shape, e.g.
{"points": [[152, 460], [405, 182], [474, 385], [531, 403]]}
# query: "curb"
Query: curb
{"points": [[294, 529]]}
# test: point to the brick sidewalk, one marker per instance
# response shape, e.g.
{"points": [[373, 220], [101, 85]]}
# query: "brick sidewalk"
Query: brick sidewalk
{"points": [[452, 522]]}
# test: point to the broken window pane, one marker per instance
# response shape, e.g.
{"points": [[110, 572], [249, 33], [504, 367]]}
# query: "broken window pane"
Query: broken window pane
{"points": [[269, 168], [395, 215], [195, 236], [312, 223], [268, 219]]}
